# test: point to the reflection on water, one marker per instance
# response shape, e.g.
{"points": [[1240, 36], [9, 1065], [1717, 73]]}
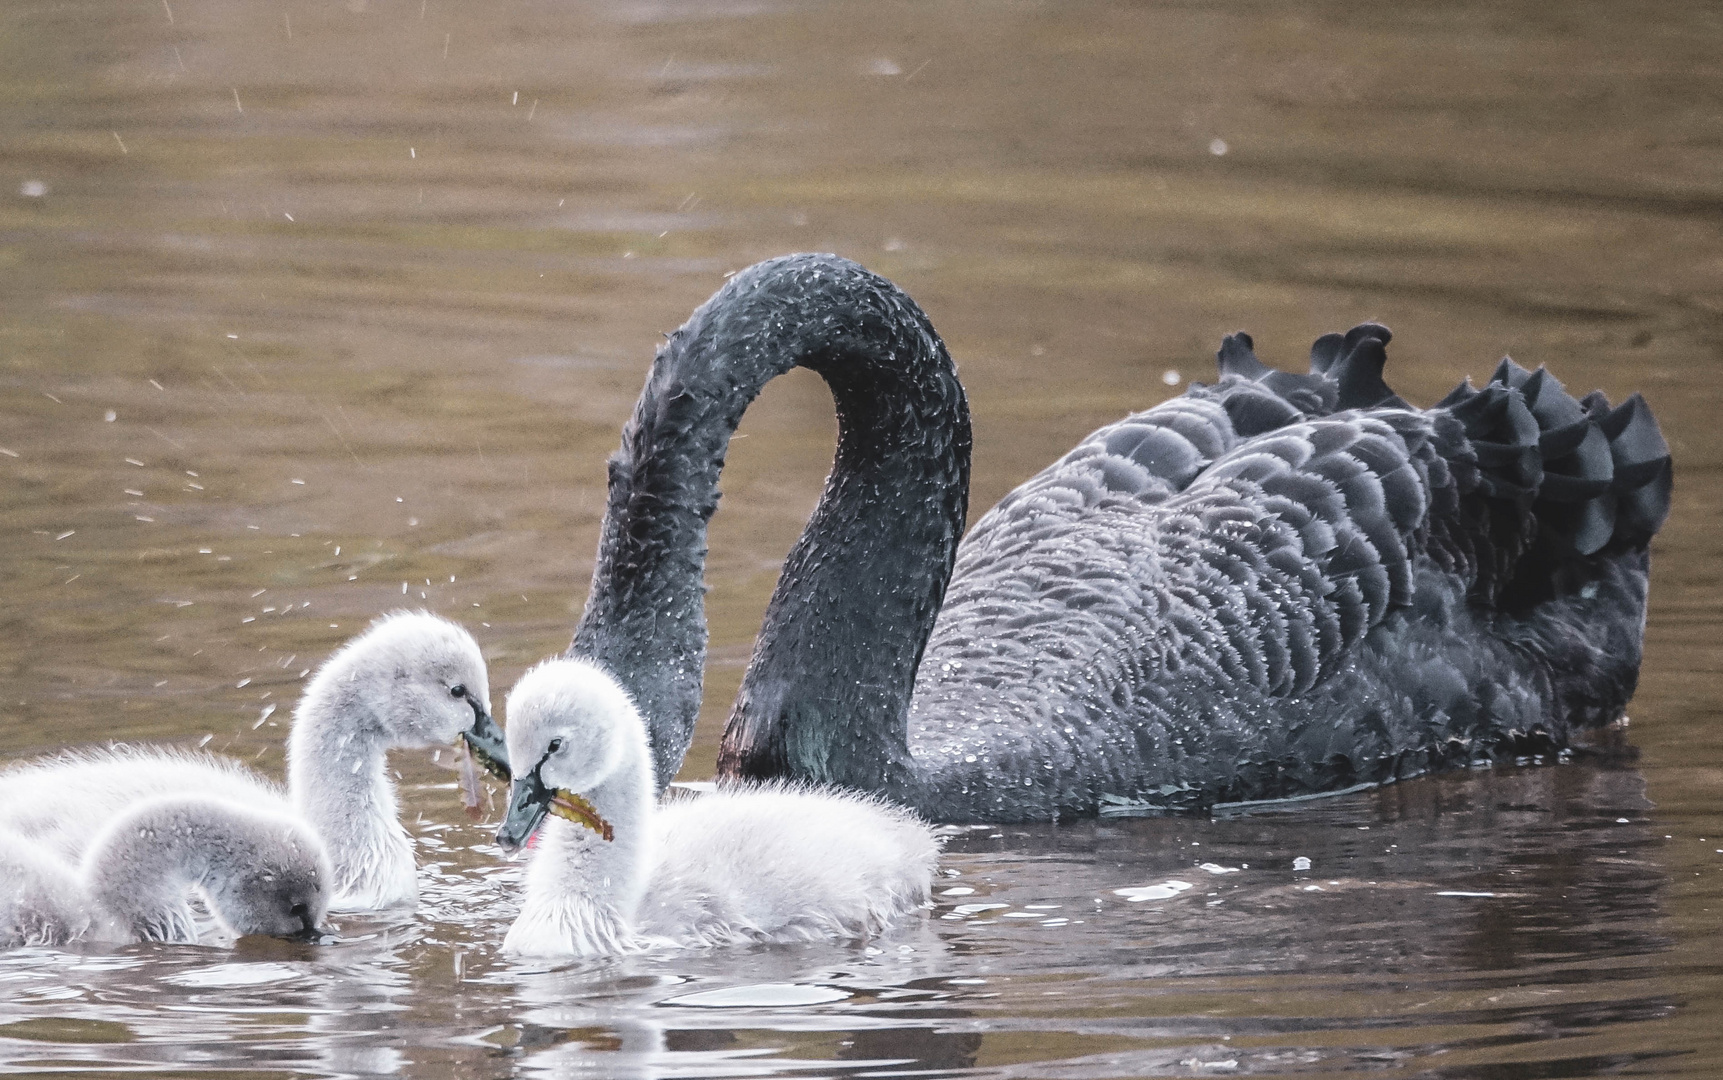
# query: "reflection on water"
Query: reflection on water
{"points": [[316, 309], [1442, 924]]}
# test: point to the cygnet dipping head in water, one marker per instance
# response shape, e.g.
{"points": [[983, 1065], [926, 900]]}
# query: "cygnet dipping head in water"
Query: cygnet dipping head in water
{"points": [[749, 863], [260, 872]]}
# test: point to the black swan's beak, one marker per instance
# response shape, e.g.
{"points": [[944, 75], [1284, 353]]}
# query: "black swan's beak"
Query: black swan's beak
{"points": [[529, 802], [486, 740]]}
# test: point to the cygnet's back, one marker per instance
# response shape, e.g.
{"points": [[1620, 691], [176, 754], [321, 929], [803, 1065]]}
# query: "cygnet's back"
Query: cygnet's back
{"points": [[781, 862], [262, 872], [259, 872], [63, 801]]}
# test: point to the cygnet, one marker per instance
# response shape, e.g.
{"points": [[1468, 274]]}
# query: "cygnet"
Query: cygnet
{"points": [[614, 872], [411, 680], [259, 873]]}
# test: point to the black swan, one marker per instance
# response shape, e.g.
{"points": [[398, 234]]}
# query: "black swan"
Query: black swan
{"points": [[1274, 586]]}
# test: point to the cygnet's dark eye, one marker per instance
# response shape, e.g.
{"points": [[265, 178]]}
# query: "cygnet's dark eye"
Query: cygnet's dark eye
{"points": [[556, 744], [458, 690]]}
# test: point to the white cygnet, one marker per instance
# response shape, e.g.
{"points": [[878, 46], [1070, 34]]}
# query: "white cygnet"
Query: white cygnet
{"points": [[411, 680], [259, 873], [615, 872]]}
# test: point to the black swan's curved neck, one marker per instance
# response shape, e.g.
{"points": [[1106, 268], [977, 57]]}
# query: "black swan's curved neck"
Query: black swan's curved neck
{"points": [[828, 690]]}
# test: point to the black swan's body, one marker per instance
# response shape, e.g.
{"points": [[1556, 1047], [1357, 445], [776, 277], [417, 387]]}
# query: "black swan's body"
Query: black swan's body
{"points": [[1274, 586]]}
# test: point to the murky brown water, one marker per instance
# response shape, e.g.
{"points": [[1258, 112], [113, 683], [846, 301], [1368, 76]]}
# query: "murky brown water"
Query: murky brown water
{"points": [[316, 309]]}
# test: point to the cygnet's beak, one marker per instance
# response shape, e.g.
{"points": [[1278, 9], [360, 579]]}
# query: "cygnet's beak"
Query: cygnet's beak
{"points": [[530, 800], [309, 931], [486, 739], [311, 935]]}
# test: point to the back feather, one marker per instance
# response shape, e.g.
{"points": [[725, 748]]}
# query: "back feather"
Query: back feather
{"points": [[1285, 583]]}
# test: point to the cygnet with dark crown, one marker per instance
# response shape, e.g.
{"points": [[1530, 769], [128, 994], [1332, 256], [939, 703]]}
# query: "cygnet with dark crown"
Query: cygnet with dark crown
{"points": [[258, 872]]}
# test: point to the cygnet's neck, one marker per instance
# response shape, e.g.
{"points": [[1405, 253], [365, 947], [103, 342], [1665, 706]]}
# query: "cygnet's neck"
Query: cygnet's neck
{"points": [[583, 892], [337, 774], [138, 871]]}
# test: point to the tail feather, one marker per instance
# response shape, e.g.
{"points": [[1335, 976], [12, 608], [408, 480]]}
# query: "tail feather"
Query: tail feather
{"points": [[1503, 440], [1644, 471], [1545, 478], [1606, 471], [1558, 479]]}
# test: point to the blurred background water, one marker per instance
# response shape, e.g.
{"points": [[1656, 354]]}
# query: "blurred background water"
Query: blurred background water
{"points": [[316, 309]]}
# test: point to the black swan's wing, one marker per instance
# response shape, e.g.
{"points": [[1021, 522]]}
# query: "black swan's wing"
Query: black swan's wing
{"points": [[1155, 453], [1293, 601]]}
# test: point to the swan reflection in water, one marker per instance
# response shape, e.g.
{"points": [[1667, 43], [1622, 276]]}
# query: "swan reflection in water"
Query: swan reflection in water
{"points": [[1327, 968], [1515, 900]]}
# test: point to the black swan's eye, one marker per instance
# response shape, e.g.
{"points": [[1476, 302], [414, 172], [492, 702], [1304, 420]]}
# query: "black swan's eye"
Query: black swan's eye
{"points": [[556, 744], [458, 690]]}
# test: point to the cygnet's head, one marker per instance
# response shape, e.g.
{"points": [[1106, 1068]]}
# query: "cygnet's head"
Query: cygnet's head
{"points": [[570, 728], [425, 682], [263, 872], [274, 879]]}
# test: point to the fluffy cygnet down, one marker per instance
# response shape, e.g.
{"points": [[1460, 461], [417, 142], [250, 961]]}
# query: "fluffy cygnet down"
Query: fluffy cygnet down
{"points": [[613, 871], [411, 680], [260, 873]]}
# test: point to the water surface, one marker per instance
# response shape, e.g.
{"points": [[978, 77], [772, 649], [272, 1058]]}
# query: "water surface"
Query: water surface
{"points": [[312, 310]]}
